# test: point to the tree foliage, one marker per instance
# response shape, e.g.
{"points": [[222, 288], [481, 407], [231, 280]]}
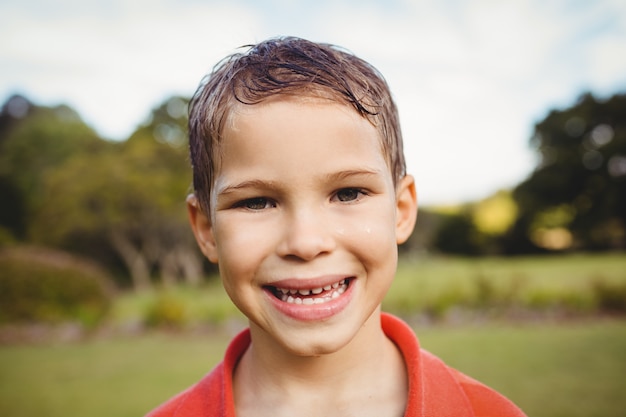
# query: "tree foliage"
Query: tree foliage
{"points": [[576, 197], [34, 141], [81, 193], [122, 203], [40, 285]]}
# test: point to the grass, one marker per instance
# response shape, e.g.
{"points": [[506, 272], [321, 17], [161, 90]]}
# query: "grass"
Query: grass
{"points": [[550, 370], [436, 284], [117, 377], [207, 304]]}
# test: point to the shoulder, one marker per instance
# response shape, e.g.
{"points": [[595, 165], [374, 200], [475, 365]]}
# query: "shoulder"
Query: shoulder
{"points": [[196, 400], [485, 401], [212, 396], [168, 409], [436, 387]]}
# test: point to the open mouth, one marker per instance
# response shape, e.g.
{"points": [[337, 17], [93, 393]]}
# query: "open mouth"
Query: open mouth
{"points": [[310, 296]]}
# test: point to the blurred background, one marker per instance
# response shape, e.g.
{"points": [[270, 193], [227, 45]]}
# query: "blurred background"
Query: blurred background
{"points": [[514, 119]]}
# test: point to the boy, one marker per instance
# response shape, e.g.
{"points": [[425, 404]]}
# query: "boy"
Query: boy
{"points": [[301, 198]]}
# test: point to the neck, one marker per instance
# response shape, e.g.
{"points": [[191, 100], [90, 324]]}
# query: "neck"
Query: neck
{"points": [[367, 367]]}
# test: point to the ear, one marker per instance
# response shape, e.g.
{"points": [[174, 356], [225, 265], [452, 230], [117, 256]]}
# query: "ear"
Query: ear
{"points": [[406, 208], [202, 228]]}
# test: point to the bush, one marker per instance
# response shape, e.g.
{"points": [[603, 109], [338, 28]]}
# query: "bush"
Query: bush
{"points": [[610, 297], [44, 286], [439, 306], [166, 311], [569, 302], [457, 235]]}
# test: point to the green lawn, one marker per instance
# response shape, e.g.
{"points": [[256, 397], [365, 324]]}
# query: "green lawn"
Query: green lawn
{"points": [[438, 283], [551, 370], [117, 377], [432, 284]]}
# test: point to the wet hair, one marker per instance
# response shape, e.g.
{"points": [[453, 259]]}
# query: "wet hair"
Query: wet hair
{"points": [[287, 66]]}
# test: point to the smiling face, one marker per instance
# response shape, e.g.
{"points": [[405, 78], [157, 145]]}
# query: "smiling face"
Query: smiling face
{"points": [[305, 222]]}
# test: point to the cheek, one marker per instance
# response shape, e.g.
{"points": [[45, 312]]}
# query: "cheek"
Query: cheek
{"points": [[372, 236], [238, 262], [240, 246]]}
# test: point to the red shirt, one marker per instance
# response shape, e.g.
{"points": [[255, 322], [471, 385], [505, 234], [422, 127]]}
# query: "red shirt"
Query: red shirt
{"points": [[435, 390]]}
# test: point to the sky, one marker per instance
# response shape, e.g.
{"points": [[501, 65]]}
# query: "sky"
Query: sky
{"points": [[470, 77]]}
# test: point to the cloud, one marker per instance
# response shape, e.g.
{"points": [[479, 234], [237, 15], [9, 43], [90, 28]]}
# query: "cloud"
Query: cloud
{"points": [[113, 66], [471, 78]]}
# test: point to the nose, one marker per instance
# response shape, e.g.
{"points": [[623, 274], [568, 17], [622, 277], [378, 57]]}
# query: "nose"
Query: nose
{"points": [[306, 235]]}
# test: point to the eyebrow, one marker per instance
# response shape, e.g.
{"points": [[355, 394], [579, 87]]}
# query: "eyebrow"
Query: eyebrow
{"points": [[246, 185], [347, 174], [274, 185]]}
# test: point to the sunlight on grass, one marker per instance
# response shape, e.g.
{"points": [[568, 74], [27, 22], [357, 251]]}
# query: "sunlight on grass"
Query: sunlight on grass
{"points": [[206, 304], [568, 369], [120, 377], [430, 286], [550, 370], [436, 284]]}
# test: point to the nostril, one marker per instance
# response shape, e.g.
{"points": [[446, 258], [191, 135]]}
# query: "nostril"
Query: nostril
{"points": [[306, 247]]}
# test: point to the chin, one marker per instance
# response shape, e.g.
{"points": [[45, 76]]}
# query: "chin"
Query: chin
{"points": [[305, 342], [316, 348], [320, 341]]}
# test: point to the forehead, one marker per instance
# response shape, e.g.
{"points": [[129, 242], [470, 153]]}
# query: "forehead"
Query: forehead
{"points": [[282, 133], [296, 103]]}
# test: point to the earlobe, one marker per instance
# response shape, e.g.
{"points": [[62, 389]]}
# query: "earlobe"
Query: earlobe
{"points": [[202, 228], [406, 208]]}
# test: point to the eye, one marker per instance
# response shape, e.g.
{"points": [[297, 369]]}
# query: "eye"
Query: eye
{"points": [[255, 204], [349, 194]]}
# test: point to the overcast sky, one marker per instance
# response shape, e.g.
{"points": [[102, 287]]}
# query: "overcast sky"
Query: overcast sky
{"points": [[470, 77]]}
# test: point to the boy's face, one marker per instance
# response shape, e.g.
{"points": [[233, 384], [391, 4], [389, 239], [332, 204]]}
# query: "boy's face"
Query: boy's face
{"points": [[305, 222]]}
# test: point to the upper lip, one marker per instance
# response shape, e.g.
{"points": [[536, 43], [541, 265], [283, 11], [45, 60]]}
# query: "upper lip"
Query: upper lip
{"points": [[308, 283]]}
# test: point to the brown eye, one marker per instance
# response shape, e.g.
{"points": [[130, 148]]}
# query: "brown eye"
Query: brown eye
{"points": [[348, 194], [257, 203]]}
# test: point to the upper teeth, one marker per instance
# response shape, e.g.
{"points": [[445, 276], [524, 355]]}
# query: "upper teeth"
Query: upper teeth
{"points": [[291, 295]]}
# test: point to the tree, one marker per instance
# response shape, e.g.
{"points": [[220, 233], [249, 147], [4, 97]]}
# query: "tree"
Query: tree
{"points": [[132, 194], [34, 140], [458, 235], [172, 247], [576, 197]]}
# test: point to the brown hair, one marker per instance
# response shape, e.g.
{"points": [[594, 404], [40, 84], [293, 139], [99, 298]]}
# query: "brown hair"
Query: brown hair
{"points": [[287, 66]]}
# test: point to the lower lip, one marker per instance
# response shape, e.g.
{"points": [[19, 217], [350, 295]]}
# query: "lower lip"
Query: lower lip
{"points": [[313, 312]]}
